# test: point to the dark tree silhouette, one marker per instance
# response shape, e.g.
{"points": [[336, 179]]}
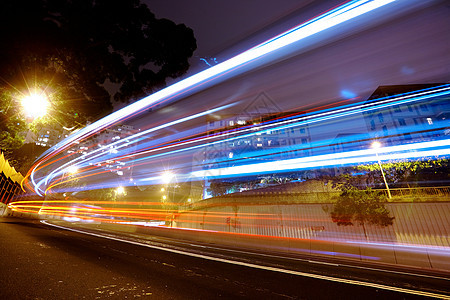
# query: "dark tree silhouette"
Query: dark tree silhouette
{"points": [[76, 46], [73, 49], [24, 156], [361, 207]]}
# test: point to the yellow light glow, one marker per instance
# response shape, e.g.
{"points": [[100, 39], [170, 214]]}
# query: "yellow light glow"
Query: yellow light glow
{"points": [[72, 169], [376, 145], [167, 177], [120, 190], [35, 105]]}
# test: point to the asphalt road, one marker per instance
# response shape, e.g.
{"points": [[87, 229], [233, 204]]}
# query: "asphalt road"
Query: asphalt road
{"points": [[43, 262]]}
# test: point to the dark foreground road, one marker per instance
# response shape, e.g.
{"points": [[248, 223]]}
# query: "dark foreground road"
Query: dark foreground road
{"points": [[43, 262]]}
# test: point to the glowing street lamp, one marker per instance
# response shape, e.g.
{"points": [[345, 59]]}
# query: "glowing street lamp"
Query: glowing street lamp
{"points": [[35, 105], [167, 177], [376, 145], [120, 190], [72, 169]]}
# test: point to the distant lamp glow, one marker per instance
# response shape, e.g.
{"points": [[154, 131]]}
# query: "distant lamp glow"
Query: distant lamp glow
{"points": [[377, 145], [35, 105], [72, 169], [120, 190], [167, 177]]}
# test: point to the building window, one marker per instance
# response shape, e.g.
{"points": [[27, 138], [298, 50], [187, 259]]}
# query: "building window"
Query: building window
{"points": [[372, 125], [402, 122], [211, 123], [397, 108], [423, 107], [380, 117], [304, 141], [430, 121], [302, 130]]}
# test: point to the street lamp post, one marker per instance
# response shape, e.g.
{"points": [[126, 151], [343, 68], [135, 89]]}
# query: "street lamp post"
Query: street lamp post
{"points": [[167, 178], [376, 145]]}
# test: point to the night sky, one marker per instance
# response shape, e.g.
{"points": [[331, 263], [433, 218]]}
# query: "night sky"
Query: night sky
{"points": [[219, 24]]}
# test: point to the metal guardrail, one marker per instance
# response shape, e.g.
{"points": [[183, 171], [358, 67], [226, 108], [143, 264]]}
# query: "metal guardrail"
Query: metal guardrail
{"points": [[421, 191]]}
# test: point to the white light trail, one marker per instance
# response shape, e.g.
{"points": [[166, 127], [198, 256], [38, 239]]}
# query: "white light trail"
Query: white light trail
{"points": [[335, 17], [343, 158]]}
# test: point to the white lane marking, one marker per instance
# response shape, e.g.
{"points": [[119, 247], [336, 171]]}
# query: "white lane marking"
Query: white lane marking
{"points": [[312, 261], [274, 269], [323, 263]]}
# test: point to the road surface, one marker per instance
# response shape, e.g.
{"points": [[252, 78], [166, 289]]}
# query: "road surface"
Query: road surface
{"points": [[45, 262]]}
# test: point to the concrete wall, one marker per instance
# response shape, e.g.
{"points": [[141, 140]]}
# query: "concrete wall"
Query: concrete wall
{"points": [[426, 224], [419, 236]]}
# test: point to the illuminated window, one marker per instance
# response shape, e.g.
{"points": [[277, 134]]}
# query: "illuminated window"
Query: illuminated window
{"points": [[430, 121]]}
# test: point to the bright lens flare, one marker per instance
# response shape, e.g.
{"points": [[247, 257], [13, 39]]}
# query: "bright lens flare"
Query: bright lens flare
{"points": [[120, 190], [167, 177], [376, 145], [72, 169], [35, 105]]}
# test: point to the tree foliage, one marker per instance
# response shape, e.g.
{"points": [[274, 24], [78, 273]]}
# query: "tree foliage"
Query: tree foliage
{"points": [[434, 171], [361, 207], [25, 155], [81, 44], [71, 50]]}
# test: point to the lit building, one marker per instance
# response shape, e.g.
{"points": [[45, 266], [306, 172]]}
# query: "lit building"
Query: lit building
{"points": [[410, 122], [279, 143]]}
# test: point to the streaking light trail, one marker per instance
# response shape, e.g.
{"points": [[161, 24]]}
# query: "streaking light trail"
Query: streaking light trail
{"points": [[335, 17], [165, 161]]}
